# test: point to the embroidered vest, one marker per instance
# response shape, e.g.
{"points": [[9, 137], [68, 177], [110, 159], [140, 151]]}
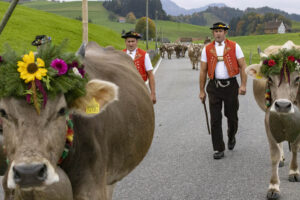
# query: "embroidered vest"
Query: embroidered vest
{"points": [[139, 62], [229, 58]]}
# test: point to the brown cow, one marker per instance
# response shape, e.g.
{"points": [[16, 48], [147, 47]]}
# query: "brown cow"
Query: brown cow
{"points": [[178, 50], [106, 146], [162, 50], [282, 117], [194, 53]]}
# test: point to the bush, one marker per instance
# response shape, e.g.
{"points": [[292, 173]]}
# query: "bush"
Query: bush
{"points": [[140, 27], [130, 18], [112, 17]]}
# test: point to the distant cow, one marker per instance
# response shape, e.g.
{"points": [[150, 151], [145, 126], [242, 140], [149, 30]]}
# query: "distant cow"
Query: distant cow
{"points": [[279, 91], [106, 146], [184, 49], [194, 52], [170, 50], [162, 50], [178, 50]]}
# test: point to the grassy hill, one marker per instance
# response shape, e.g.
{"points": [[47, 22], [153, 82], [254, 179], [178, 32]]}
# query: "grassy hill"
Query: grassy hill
{"points": [[250, 43], [99, 15], [26, 23]]}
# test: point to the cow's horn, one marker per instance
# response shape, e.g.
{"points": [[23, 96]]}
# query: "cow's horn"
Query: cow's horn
{"points": [[81, 51]]}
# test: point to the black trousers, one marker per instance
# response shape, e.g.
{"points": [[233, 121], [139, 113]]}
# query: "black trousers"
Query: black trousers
{"points": [[218, 96]]}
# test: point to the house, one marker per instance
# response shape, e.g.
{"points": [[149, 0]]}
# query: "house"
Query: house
{"points": [[276, 27], [122, 19]]}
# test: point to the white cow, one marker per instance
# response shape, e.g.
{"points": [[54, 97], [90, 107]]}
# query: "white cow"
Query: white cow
{"points": [[282, 116]]}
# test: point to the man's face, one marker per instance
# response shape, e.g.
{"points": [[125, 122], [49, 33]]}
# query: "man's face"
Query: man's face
{"points": [[219, 35], [131, 43]]}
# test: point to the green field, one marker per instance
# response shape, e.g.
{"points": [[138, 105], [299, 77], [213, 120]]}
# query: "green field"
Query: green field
{"points": [[249, 44], [26, 23], [99, 15]]}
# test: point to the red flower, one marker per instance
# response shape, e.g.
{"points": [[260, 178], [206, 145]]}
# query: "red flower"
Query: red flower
{"points": [[291, 58], [271, 63]]}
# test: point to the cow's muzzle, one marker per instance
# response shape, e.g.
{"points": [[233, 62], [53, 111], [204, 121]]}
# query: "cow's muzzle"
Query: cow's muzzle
{"points": [[282, 106], [30, 175]]}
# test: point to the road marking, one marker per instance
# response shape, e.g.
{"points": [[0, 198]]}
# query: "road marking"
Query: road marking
{"points": [[155, 69]]}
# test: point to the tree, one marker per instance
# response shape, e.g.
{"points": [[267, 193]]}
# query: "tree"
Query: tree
{"points": [[140, 27], [112, 17], [130, 18]]}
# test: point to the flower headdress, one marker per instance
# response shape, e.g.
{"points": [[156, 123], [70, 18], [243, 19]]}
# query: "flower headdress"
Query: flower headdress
{"points": [[45, 75], [283, 63]]}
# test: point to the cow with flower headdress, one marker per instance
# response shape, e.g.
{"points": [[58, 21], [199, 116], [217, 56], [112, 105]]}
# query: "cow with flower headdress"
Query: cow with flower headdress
{"points": [[276, 90], [73, 125]]}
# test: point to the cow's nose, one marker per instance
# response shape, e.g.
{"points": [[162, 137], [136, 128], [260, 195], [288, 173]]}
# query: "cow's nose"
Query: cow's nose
{"points": [[283, 106], [30, 175]]}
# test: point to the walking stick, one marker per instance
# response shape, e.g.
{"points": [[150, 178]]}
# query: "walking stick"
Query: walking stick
{"points": [[206, 116]]}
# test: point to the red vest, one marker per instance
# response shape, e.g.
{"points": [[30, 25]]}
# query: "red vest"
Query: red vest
{"points": [[139, 62], [229, 57]]}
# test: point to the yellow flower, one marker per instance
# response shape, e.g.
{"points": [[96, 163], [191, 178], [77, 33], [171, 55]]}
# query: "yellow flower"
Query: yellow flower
{"points": [[31, 70]]}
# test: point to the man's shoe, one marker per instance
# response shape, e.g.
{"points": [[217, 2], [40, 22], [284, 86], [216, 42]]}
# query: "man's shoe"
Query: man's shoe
{"points": [[218, 155], [231, 143]]}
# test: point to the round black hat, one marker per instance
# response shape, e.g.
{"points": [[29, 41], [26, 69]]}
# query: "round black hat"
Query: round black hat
{"points": [[219, 25], [131, 34], [40, 39]]}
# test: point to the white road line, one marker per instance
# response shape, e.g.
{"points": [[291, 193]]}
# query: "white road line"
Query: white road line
{"points": [[155, 69]]}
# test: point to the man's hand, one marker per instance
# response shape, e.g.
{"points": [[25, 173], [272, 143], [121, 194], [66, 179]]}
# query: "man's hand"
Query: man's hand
{"points": [[153, 98], [202, 96], [242, 90]]}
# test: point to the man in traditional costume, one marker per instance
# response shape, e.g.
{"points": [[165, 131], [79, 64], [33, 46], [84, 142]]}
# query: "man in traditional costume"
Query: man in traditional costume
{"points": [[141, 60], [222, 60]]}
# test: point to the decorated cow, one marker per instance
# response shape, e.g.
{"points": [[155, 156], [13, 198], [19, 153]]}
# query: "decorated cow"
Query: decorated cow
{"points": [[276, 91], [72, 127]]}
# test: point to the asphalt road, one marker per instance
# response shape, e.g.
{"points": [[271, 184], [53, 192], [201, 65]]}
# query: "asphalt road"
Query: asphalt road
{"points": [[180, 164]]}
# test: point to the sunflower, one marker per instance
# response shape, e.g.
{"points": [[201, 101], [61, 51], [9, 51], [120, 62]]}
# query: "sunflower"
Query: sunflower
{"points": [[31, 70]]}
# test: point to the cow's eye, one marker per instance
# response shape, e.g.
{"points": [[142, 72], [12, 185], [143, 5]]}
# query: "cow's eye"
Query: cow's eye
{"points": [[62, 111], [297, 80], [3, 113], [270, 81]]}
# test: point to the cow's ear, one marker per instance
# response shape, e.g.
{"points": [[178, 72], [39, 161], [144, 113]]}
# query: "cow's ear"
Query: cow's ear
{"points": [[99, 94], [254, 71]]}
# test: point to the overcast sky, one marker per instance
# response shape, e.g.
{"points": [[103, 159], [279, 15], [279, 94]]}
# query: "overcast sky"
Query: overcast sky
{"points": [[290, 6]]}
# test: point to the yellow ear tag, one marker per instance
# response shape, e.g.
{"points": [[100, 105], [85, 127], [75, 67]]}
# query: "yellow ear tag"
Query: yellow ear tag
{"points": [[93, 107]]}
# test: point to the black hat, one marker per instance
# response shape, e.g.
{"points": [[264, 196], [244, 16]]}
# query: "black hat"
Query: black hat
{"points": [[131, 34], [40, 39], [219, 25]]}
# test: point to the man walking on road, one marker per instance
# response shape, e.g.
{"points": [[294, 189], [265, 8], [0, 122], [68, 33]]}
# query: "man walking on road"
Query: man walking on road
{"points": [[222, 60], [141, 60]]}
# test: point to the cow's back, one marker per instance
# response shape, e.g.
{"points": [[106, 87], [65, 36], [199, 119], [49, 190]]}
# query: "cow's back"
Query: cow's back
{"points": [[123, 132]]}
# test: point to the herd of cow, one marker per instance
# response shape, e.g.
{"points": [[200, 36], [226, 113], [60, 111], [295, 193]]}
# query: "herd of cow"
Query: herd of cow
{"points": [[109, 145], [180, 49]]}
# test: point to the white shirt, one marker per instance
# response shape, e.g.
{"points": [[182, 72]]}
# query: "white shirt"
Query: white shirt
{"points": [[221, 70], [148, 64]]}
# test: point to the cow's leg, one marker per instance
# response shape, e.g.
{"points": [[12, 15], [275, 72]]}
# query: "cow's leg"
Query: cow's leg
{"points": [[281, 163], [109, 191], [193, 65], [294, 171], [273, 191]]}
